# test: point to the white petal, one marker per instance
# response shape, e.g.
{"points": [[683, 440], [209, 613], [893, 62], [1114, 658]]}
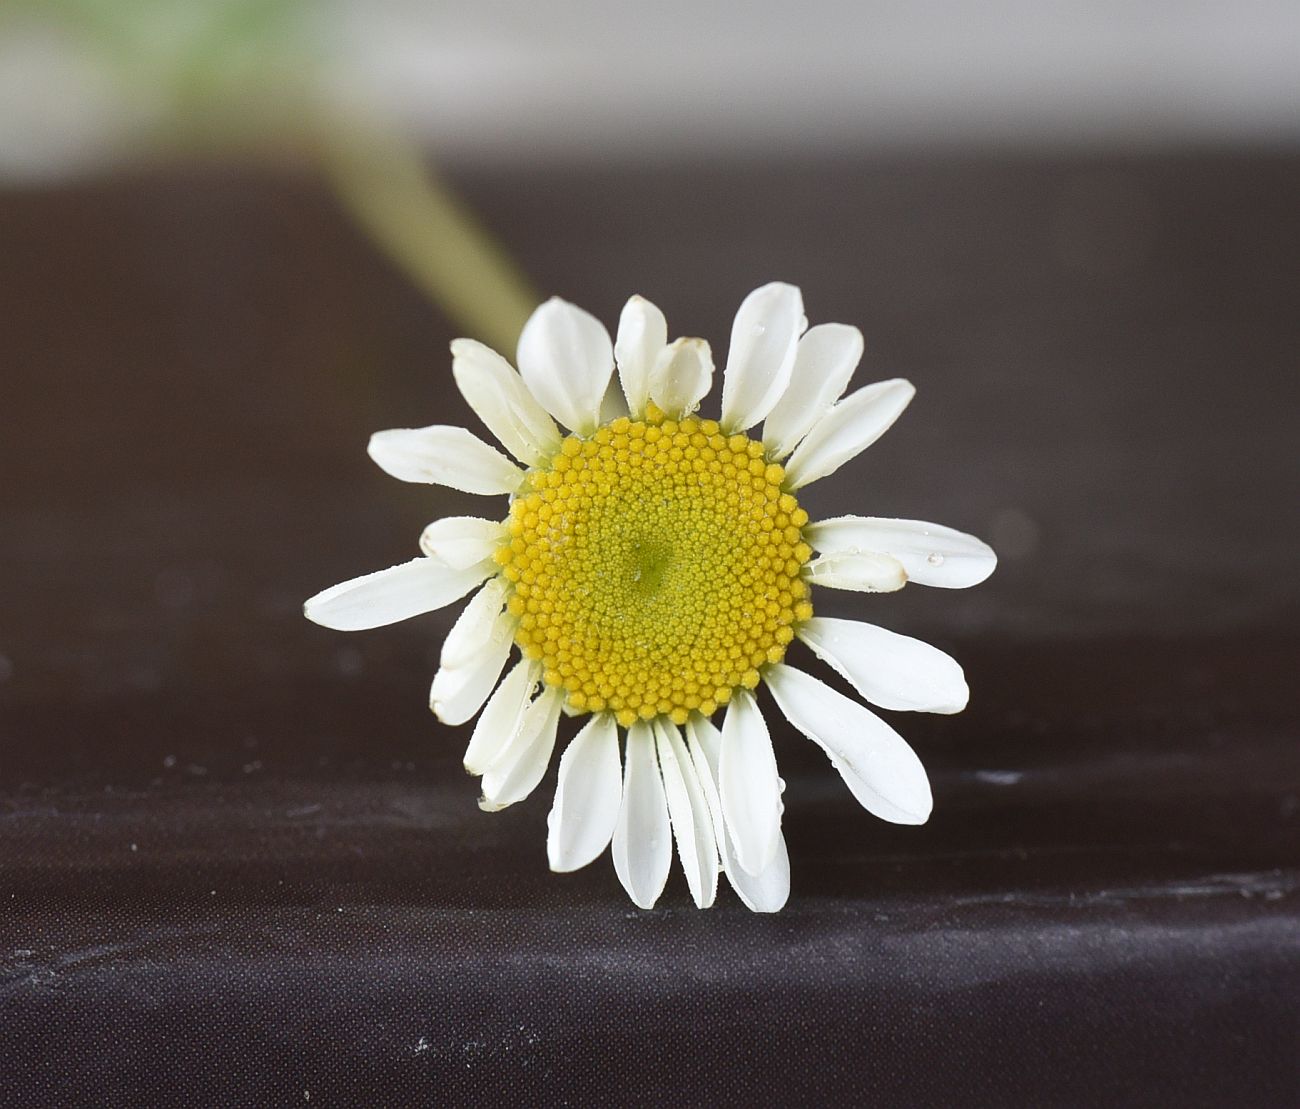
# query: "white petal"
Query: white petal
{"points": [[642, 848], [880, 769], [462, 540], [689, 814], [501, 717], [847, 430], [703, 733], [588, 795], [748, 783], [472, 631], [515, 775], [384, 597], [502, 401], [473, 656], [890, 670], [824, 362], [767, 891], [931, 553], [442, 455], [458, 692], [704, 743], [761, 357], [681, 376], [566, 359], [862, 573], [642, 333]]}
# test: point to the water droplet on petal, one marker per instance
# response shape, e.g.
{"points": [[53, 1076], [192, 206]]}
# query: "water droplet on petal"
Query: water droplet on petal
{"points": [[760, 329], [935, 559]]}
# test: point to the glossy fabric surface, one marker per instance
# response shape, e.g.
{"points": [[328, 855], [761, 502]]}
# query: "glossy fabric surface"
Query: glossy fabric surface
{"points": [[240, 863]]}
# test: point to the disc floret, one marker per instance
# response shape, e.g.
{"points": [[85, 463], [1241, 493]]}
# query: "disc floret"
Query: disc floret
{"points": [[655, 567]]}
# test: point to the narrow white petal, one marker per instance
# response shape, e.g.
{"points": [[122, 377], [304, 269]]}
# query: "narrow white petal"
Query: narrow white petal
{"points": [[566, 358], [862, 573], [502, 401], [642, 334], [441, 455], [682, 376], [877, 765], [931, 553], [748, 783], [704, 744], [825, 360], [689, 814], [704, 734], [458, 692], [588, 795], [764, 336], [501, 717], [515, 775], [473, 628], [462, 540], [384, 597], [642, 847], [767, 891], [473, 656], [847, 430], [890, 670]]}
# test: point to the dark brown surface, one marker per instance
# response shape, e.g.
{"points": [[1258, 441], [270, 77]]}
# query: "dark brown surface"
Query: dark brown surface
{"points": [[240, 862]]}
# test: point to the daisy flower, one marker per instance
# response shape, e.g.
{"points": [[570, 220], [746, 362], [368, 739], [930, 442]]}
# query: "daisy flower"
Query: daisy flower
{"points": [[651, 570]]}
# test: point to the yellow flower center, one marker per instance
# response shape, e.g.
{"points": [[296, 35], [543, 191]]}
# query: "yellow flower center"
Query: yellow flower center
{"points": [[656, 567]]}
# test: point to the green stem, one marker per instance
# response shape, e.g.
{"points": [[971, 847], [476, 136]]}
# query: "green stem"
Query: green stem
{"points": [[417, 221]]}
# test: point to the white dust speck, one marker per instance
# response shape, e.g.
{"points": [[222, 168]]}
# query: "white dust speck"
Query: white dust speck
{"points": [[1000, 777]]}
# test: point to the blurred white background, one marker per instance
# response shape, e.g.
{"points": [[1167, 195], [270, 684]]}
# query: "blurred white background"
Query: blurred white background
{"points": [[577, 79], [824, 74]]}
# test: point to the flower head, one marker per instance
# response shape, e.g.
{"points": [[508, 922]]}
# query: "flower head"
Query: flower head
{"points": [[651, 570]]}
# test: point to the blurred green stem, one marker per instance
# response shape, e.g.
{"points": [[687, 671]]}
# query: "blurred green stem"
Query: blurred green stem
{"points": [[417, 221]]}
